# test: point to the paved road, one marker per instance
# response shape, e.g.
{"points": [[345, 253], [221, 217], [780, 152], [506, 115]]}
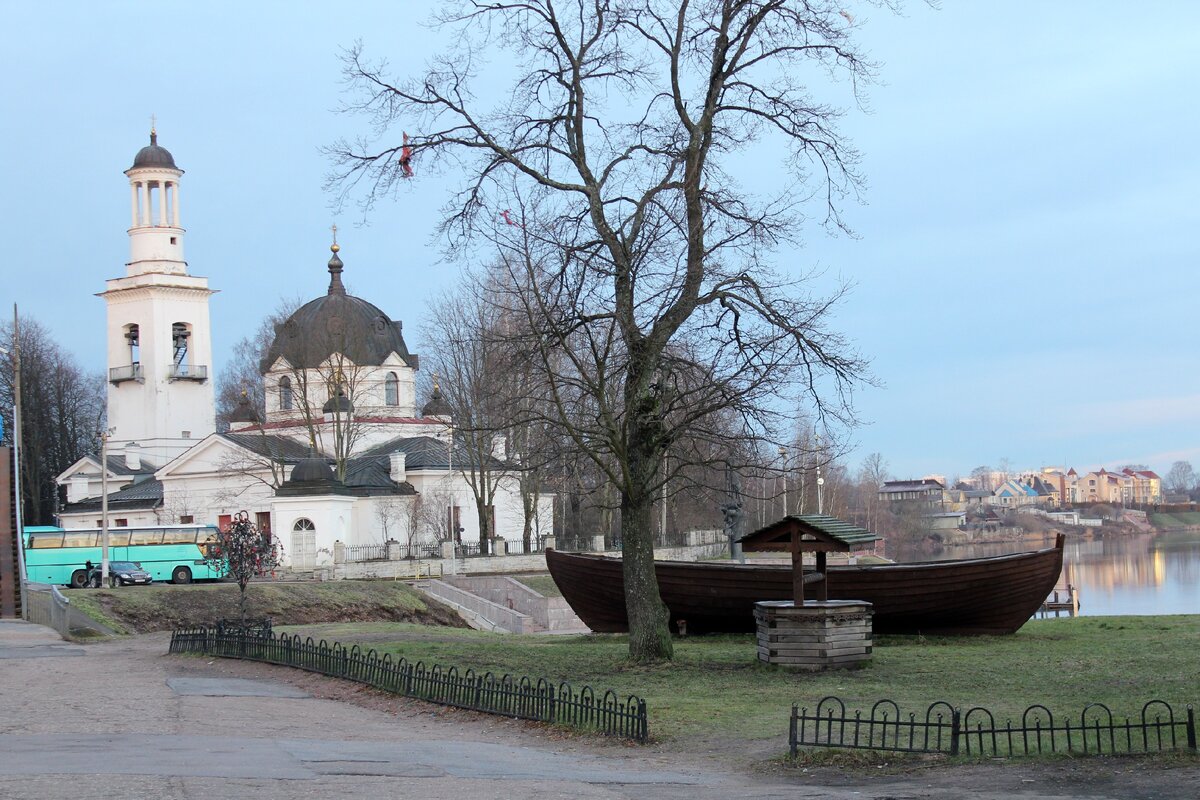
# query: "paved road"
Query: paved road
{"points": [[122, 719]]}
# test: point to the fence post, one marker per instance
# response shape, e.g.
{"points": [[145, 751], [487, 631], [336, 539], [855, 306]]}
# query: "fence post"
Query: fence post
{"points": [[1191, 729], [793, 744], [955, 729]]}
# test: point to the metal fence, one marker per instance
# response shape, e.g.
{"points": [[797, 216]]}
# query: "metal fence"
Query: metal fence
{"points": [[367, 552], [523, 698], [945, 729]]}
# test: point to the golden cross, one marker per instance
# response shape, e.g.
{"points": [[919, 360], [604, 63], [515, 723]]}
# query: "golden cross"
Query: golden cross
{"points": [[334, 229], [153, 119]]}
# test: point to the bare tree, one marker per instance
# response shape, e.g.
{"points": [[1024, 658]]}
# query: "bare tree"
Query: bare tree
{"points": [[1181, 478], [62, 413], [642, 262], [470, 354], [243, 372], [872, 474]]}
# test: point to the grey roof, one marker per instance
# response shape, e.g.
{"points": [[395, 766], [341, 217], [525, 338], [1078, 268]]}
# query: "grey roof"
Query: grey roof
{"points": [[141, 495], [279, 448], [116, 465], [152, 155], [372, 475], [337, 322], [426, 452], [910, 486]]}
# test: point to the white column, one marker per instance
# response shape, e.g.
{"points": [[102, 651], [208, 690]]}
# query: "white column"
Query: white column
{"points": [[144, 197], [175, 203], [133, 208], [162, 203]]}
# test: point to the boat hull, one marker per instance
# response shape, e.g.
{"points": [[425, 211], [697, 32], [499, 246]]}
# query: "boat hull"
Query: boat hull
{"points": [[969, 597]]}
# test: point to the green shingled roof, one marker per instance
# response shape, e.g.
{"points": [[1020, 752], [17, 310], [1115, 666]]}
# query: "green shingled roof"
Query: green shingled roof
{"points": [[821, 526]]}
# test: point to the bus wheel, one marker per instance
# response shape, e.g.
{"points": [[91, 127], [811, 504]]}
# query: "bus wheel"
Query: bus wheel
{"points": [[78, 579], [181, 575]]}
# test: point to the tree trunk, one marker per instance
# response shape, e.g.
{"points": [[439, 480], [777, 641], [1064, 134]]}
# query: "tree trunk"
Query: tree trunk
{"points": [[649, 635]]}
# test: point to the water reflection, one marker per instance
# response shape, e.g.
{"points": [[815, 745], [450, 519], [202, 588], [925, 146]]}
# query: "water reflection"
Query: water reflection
{"points": [[1145, 573]]}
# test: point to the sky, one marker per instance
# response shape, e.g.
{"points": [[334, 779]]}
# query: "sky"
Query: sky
{"points": [[1024, 265]]}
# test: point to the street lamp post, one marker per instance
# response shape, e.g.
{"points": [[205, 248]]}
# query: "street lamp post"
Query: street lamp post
{"points": [[103, 509]]}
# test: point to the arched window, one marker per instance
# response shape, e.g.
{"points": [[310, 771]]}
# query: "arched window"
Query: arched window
{"points": [[285, 396], [304, 524], [391, 389]]}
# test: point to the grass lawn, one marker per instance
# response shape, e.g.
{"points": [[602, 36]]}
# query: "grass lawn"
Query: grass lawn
{"points": [[542, 584], [716, 688], [140, 609]]}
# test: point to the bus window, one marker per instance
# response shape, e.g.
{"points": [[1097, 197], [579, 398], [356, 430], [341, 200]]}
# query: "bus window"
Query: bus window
{"points": [[148, 536], [84, 539], [40, 540], [118, 538], [180, 536]]}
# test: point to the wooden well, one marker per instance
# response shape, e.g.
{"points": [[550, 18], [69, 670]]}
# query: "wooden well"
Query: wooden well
{"points": [[820, 633]]}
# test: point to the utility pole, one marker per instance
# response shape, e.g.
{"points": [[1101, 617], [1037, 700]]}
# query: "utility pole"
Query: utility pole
{"points": [[783, 472], [20, 532], [103, 509]]}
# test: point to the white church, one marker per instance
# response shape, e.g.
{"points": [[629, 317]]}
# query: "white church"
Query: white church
{"points": [[343, 455]]}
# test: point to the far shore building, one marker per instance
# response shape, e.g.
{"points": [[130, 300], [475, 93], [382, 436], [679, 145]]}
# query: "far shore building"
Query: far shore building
{"points": [[343, 456]]}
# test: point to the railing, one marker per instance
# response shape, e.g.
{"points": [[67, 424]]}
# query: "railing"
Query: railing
{"points": [[129, 372], [522, 698], [187, 372], [368, 552], [516, 547], [945, 729], [49, 607]]}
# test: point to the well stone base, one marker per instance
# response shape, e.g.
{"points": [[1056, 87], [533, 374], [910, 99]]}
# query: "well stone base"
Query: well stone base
{"points": [[819, 635]]}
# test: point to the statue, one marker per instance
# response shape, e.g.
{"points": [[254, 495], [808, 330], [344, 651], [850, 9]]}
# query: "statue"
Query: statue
{"points": [[731, 511]]}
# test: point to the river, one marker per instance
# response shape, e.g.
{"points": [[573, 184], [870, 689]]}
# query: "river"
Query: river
{"points": [[1145, 573]]}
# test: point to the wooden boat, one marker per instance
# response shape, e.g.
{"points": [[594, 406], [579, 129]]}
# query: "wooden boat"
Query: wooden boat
{"points": [[974, 596]]}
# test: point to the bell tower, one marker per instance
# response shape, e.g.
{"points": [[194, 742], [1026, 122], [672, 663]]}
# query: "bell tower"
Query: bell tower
{"points": [[160, 393]]}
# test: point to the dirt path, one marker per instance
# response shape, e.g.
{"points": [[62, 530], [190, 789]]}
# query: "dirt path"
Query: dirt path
{"points": [[123, 719]]}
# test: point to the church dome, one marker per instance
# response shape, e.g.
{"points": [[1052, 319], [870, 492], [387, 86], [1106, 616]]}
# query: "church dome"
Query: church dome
{"points": [[437, 405], [313, 469], [337, 323], [154, 157]]}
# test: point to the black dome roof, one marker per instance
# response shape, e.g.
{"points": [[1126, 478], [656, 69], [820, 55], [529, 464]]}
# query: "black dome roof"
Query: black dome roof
{"points": [[154, 156], [337, 323], [437, 405], [313, 469]]}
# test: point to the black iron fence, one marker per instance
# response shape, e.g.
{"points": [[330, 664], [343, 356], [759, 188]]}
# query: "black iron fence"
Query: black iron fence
{"points": [[523, 698], [945, 729]]}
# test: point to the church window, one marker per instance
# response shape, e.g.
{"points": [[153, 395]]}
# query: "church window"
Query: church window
{"points": [[304, 524], [391, 387], [285, 393]]}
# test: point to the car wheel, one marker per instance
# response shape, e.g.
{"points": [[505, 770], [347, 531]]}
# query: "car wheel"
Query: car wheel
{"points": [[181, 575], [78, 579], [114, 581]]}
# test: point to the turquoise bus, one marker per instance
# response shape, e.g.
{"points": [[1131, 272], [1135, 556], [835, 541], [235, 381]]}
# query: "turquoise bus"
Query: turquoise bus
{"points": [[172, 553]]}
